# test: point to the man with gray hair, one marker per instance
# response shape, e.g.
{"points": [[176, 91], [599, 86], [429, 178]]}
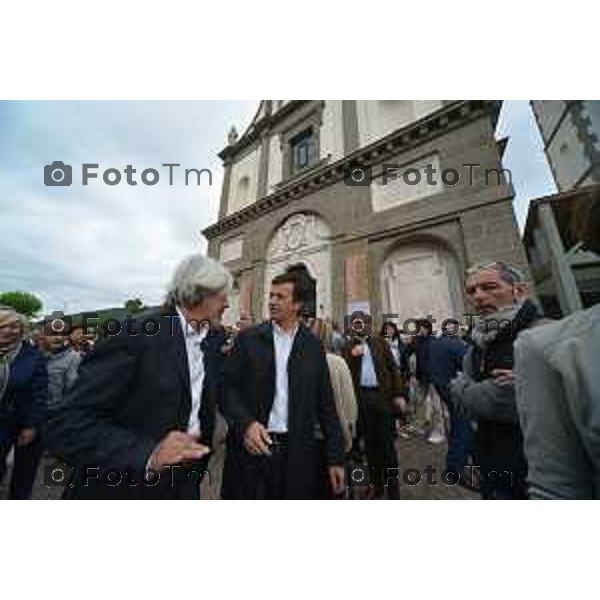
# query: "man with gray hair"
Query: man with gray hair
{"points": [[485, 391], [138, 422]]}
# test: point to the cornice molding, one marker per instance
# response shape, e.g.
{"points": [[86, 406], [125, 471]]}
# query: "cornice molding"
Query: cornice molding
{"points": [[255, 129], [411, 136]]}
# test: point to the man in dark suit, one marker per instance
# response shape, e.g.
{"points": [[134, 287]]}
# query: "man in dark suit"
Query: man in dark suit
{"points": [[138, 422], [277, 399]]}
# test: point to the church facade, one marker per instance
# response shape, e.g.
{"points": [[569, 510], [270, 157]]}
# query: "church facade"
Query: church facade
{"points": [[385, 202]]}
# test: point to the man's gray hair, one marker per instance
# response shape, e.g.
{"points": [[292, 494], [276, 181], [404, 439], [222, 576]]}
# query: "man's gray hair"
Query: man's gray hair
{"points": [[196, 278], [508, 273]]}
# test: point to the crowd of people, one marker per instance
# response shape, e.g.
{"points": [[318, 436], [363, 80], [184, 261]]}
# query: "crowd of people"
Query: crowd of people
{"points": [[36, 371], [307, 406]]}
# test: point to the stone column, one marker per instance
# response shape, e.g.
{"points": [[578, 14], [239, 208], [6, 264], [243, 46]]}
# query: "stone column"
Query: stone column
{"points": [[246, 289], [263, 167], [566, 286], [258, 275], [225, 190], [350, 126]]}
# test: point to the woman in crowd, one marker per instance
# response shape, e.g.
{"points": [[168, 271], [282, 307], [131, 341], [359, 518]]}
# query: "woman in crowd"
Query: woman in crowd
{"points": [[401, 353], [343, 390], [341, 383]]}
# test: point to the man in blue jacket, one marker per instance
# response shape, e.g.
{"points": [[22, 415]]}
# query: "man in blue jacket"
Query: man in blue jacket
{"points": [[23, 396], [445, 361]]}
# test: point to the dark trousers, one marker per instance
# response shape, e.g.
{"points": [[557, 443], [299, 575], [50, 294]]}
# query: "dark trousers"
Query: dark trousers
{"points": [[250, 477], [498, 450], [180, 482], [491, 490], [26, 461], [460, 435], [378, 428], [272, 475], [502, 484], [275, 477]]}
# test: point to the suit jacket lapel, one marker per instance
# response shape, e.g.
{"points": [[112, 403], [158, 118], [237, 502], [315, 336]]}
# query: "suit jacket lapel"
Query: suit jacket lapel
{"points": [[266, 335], [175, 350], [376, 357], [211, 348], [295, 370], [297, 346]]}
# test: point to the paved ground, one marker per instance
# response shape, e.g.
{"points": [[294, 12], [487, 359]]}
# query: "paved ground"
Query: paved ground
{"points": [[413, 454]]}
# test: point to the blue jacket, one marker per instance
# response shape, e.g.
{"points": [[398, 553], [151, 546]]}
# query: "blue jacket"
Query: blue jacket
{"points": [[26, 394], [422, 349], [445, 359]]}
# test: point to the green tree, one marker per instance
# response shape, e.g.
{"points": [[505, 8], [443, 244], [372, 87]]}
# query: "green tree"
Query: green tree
{"points": [[23, 302], [134, 305]]}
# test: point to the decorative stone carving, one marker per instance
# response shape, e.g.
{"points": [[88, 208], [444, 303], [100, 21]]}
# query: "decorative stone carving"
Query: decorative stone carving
{"points": [[232, 136], [300, 232]]}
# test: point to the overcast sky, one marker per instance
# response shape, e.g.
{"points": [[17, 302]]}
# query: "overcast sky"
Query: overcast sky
{"points": [[88, 247]]}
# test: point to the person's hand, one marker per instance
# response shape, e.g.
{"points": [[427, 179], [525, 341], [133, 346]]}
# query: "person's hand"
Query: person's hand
{"points": [[176, 447], [26, 436], [400, 404], [337, 479], [256, 439], [503, 375]]}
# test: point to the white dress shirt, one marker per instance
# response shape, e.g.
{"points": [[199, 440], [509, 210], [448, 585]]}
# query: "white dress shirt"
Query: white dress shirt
{"points": [[193, 338], [283, 342], [395, 348], [368, 376]]}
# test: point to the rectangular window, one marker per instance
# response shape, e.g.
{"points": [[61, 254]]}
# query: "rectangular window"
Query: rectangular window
{"points": [[302, 150]]}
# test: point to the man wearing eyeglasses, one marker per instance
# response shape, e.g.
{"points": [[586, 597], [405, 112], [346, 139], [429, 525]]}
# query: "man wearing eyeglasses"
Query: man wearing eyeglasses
{"points": [[485, 391]]}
